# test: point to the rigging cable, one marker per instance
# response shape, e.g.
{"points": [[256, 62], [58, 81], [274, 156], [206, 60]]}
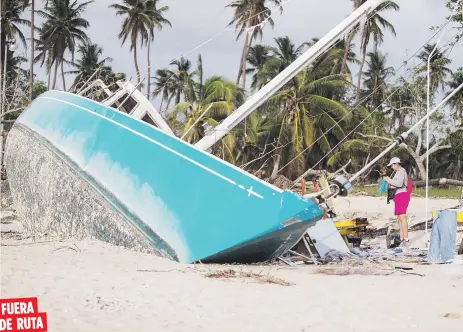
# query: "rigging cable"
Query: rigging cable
{"points": [[404, 64], [329, 152], [182, 55]]}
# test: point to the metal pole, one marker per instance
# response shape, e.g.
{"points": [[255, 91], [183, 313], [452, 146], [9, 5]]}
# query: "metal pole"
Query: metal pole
{"points": [[83, 86], [1, 69], [31, 73], [292, 70], [131, 92], [2, 125], [404, 136], [428, 106]]}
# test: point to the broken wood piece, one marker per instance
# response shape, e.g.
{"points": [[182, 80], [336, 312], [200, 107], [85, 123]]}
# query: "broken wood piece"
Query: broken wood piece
{"points": [[309, 250], [301, 256]]}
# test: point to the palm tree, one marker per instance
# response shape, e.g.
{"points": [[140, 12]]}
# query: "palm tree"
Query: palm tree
{"points": [[13, 67], [137, 25], [218, 98], [331, 62], [372, 30], [362, 145], [63, 28], [407, 99], [257, 57], [173, 84], [89, 61], [439, 63], [44, 53], [255, 139], [250, 17], [449, 162], [375, 78], [32, 46], [11, 21], [306, 112], [281, 57], [348, 42], [457, 101], [157, 19], [214, 100]]}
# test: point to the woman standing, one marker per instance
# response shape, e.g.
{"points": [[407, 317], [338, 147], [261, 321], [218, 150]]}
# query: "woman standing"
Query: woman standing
{"points": [[399, 183]]}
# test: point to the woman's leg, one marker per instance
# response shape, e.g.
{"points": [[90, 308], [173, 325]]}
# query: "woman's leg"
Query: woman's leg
{"points": [[401, 202], [400, 228], [403, 225]]}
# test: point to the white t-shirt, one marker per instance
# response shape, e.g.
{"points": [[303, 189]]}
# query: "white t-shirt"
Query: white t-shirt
{"points": [[399, 180]]}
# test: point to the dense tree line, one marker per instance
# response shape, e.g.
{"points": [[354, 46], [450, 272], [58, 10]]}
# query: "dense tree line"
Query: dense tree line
{"points": [[324, 118]]}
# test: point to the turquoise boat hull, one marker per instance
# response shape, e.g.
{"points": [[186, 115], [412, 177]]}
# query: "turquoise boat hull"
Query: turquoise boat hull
{"points": [[76, 166]]}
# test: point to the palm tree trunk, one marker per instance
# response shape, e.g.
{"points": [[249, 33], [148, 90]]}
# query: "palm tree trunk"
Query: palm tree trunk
{"points": [[244, 63], [2, 52], [364, 55], [149, 71], [31, 73], [348, 43], [346, 51], [49, 75], [62, 75], [55, 74], [276, 164], [277, 156], [177, 98], [136, 63], [243, 59]]}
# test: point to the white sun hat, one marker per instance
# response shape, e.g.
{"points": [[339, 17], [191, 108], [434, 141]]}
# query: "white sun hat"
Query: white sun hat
{"points": [[394, 160]]}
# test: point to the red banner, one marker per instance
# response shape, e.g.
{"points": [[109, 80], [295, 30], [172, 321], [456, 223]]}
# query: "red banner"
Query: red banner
{"points": [[22, 314]]}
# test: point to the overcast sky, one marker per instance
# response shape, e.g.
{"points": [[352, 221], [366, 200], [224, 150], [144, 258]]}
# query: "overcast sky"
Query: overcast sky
{"points": [[195, 22]]}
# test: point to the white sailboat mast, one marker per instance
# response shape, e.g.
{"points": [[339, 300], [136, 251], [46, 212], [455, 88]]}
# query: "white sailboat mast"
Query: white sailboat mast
{"points": [[292, 70]]}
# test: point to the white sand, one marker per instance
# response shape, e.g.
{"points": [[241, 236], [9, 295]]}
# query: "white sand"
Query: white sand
{"points": [[380, 213], [91, 286]]}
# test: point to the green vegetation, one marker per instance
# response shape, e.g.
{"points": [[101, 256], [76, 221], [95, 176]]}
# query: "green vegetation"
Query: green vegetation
{"points": [[434, 192], [326, 117]]}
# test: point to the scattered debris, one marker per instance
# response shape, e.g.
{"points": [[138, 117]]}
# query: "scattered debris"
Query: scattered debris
{"points": [[343, 270], [232, 274], [452, 315], [11, 235], [75, 248], [6, 220]]}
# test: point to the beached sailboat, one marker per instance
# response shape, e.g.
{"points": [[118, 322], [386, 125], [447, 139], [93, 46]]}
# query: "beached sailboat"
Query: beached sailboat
{"points": [[78, 165], [114, 171]]}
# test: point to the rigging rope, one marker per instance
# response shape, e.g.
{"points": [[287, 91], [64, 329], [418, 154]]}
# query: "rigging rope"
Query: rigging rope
{"points": [[353, 130], [404, 64], [182, 55]]}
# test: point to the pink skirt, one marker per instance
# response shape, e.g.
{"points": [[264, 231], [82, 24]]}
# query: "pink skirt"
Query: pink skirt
{"points": [[401, 201]]}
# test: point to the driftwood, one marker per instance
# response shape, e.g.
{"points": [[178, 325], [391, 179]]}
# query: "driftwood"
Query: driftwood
{"points": [[421, 226], [438, 182]]}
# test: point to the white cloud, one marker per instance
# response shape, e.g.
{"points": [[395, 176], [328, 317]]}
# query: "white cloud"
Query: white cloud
{"points": [[194, 22]]}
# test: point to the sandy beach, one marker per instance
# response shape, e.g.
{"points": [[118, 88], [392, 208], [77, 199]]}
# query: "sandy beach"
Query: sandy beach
{"points": [[379, 213], [93, 286]]}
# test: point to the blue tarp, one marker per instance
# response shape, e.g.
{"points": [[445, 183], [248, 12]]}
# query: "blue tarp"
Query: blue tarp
{"points": [[382, 187], [443, 237]]}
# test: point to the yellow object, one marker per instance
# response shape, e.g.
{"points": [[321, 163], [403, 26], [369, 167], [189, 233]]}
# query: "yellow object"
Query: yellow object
{"points": [[459, 216], [346, 227], [345, 223]]}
